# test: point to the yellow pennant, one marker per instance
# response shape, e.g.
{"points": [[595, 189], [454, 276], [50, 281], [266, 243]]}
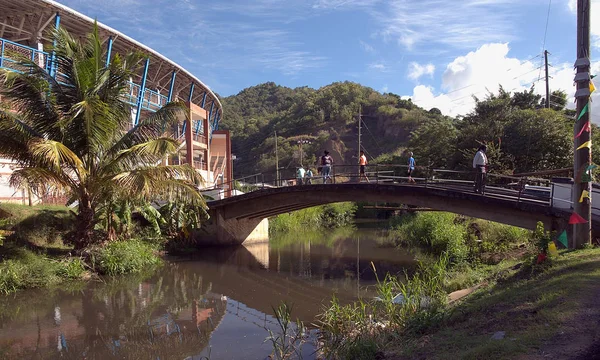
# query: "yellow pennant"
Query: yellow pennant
{"points": [[587, 144], [592, 87], [552, 249], [584, 194]]}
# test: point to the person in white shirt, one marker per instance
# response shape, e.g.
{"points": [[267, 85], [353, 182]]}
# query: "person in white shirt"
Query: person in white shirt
{"points": [[480, 163]]}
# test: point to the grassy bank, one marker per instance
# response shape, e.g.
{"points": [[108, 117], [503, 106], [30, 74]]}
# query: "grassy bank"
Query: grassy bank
{"points": [[34, 254], [324, 216], [526, 305]]}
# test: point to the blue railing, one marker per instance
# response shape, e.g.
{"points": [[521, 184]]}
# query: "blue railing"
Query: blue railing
{"points": [[11, 54]]}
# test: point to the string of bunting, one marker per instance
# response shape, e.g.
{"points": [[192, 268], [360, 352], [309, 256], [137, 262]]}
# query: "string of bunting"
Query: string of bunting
{"points": [[576, 219]]}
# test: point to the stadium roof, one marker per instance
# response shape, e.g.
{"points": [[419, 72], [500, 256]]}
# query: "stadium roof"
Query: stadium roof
{"points": [[27, 22]]}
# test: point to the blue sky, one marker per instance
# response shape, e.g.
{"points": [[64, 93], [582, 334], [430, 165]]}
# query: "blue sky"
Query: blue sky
{"points": [[438, 52]]}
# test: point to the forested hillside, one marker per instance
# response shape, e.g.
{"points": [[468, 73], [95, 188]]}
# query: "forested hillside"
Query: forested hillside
{"points": [[520, 134]]}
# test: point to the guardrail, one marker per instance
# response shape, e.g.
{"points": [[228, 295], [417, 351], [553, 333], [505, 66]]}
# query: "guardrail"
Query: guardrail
{"points": [[519, 189]]}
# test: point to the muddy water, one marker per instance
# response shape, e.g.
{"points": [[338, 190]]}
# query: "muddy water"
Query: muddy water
{"points": [[217, 304]]}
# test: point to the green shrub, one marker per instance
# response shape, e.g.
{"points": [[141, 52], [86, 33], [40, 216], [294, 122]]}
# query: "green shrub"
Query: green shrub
{"points": [[122, 257], [72, 268], [327, 216], [437, 232], [28, 270]]}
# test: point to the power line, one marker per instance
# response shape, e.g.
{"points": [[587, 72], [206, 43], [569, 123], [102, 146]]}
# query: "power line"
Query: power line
{"points": [[545, 33]]}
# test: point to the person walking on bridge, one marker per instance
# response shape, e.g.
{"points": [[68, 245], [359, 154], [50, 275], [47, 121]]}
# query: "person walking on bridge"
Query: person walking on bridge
{"points": [[308, 177], [300, 175], [362, 161], [480, 163], [326, 162], [411, 167]]}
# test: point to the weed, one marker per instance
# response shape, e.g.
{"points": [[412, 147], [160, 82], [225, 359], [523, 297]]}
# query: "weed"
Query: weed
{"points": [[287, 341], [122, 257]]}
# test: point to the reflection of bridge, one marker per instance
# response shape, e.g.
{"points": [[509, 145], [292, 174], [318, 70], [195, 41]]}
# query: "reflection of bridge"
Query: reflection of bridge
{"points": [[236, 217]]}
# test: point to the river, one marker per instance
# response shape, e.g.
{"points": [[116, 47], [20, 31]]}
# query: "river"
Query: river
{"points": [[217, 303]]}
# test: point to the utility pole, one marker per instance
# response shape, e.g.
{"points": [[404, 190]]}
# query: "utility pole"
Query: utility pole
{"points": [[359, 129], [583, 156], [276, 161], [547, 81]]}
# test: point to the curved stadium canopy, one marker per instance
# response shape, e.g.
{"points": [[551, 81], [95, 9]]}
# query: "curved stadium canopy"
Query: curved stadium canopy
{"points": [[25, 24]]}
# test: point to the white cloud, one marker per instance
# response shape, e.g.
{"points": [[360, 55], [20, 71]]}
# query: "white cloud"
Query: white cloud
{"points": [[482, 71], [458, 24], [595, 20], [416, 70], [378, 66], [366, 47], [337, 4]]}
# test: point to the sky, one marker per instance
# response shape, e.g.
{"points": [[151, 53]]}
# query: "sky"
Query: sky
{"points": [[437, 52]]}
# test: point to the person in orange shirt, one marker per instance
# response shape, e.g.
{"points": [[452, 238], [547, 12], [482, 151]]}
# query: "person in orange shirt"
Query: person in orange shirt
{"points": [[363, 164]]}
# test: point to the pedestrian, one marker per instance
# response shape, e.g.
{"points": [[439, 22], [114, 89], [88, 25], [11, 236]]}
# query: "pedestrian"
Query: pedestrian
{"points": [[362, 161], [300, 175], [480, 163], [326, 163], [411, 167], [308, 177]]}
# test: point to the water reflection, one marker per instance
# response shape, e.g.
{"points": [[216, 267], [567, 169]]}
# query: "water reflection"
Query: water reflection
{"points": [[218, 302]]}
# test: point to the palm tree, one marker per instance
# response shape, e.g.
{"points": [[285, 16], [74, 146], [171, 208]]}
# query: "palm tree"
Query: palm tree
{"points": [[77, 134]]}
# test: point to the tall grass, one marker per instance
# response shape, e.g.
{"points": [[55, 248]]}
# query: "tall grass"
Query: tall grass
{"points": [[403, 305], [122, 257], [289, 337], [324, 216], [29, 270]]}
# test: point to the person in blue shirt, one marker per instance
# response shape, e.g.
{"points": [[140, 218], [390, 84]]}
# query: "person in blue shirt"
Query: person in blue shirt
{"points": [[411, 167]]}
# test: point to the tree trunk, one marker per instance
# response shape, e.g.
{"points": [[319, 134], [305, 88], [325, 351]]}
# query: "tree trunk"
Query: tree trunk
{"points": [[84, 234]]}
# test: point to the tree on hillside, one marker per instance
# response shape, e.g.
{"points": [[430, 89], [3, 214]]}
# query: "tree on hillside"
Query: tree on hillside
{"points": [[76, 133]]}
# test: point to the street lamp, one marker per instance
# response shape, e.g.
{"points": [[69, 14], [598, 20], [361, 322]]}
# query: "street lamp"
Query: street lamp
{"points": [[300, 142]]}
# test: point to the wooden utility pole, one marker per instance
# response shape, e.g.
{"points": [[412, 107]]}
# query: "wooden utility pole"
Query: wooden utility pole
{"points": [[547, 80], [359, 129], [276, 161], [583, 156]]}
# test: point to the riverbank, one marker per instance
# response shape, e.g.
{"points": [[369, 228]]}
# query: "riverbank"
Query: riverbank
{"points": [[34, 252], [534, 314], [519, 306]]}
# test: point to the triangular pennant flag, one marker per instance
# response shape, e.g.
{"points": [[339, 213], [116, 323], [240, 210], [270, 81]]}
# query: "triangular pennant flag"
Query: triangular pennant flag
{"points": [[576, 219], [592, 76], [583, 111], [591, 167], [552, 249], [586, 178], [562, 238], [592, 87], [586, 128], [584, 194], [587, 144]]}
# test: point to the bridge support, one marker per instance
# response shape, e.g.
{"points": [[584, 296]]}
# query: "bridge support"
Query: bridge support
{"points": [[220, 231]]}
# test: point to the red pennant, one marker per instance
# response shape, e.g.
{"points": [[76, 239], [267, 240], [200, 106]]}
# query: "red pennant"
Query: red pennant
{"points": [[586, 128], [576, 219]]}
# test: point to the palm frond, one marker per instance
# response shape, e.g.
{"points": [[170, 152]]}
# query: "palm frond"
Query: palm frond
{"points": [[37, 176], [56, 156], [151, 127], [148, 153], [155, 181]]}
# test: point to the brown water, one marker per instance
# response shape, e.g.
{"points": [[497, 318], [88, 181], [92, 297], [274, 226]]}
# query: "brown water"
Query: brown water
{"points": [[218, 303]]}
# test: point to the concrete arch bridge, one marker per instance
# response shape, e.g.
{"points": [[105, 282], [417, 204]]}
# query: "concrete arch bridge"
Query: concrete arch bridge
{"points": [[239, 219]]}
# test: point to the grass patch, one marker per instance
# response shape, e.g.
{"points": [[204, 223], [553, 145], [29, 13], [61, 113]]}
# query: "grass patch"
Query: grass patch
{"points": [[123, 257], [530, 305], [26, 269], [324, 216]]}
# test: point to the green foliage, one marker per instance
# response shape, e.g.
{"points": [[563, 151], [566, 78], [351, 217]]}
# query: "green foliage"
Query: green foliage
{"points": [[26, 269], [324, 216], [75, 136], [540, 238], [437, 232], [403, 306], [287, 340], [123, 257]]}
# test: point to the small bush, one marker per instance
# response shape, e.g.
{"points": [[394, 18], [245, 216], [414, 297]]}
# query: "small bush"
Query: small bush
{"points": [[123, 257], [28, 270], [437, 232], [72, 268]]}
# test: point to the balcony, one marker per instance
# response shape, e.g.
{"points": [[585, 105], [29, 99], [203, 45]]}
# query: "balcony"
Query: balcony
{"points": [[11, 53]]}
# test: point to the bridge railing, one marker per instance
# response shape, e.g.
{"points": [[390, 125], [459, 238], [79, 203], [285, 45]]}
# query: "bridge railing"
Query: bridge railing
{"points": [[520, 187]]}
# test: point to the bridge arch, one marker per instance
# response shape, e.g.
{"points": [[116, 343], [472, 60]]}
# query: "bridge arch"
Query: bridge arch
{"points": [[233, 219]]}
